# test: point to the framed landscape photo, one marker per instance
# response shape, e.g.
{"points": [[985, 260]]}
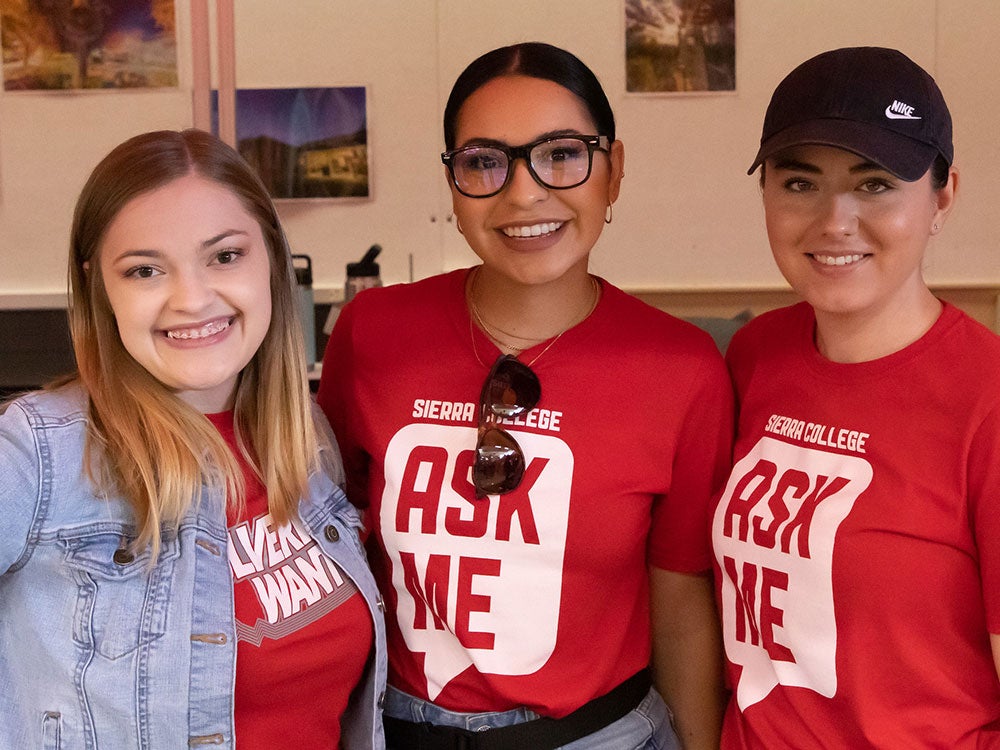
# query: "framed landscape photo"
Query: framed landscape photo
{"points": [[88, 44], [680, 46], [306, 143]]}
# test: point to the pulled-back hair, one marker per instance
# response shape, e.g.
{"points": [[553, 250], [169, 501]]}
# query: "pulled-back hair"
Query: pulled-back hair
{"points": [[535, 60], [144, 442]]}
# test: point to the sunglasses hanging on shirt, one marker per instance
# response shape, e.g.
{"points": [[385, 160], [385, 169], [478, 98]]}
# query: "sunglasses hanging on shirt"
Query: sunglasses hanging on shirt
{"points": [[511, 389]]}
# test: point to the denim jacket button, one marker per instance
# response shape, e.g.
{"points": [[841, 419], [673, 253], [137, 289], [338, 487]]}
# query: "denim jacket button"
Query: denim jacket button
{"points": [[123, 557], [380, 603], [331, 533]]}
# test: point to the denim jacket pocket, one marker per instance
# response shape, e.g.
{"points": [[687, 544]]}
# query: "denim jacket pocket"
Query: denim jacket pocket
{"points": [[123, 600]]}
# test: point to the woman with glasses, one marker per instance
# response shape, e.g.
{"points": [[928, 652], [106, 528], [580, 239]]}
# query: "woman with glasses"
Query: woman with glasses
{"points": [[536, 449], [858, 539]]}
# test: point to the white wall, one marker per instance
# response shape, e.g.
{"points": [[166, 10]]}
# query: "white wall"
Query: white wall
{"points": [[688, 217]]}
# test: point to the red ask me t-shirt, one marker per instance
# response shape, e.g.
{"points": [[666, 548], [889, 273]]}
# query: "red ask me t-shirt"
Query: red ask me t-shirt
{"points": [[304, 631]]}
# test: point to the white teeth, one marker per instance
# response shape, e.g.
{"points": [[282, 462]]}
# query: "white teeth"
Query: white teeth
{"points": [[535, 230], [837, 260], [209, 329]]}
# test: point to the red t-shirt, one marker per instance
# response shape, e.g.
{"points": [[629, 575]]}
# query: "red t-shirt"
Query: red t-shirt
{"points": [[538, 597], [858, 541], [304, 631]]}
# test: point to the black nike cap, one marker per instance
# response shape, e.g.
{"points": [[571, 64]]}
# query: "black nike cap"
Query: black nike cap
{"points": [[872, 101]]}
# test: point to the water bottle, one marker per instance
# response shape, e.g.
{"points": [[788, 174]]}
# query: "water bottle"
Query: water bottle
{"points": [[307, 309], [363, 275]]}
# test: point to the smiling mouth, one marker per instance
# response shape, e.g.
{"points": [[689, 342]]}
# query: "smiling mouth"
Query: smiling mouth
{"points": [[837, 260], [209, 329], [534, 230]]}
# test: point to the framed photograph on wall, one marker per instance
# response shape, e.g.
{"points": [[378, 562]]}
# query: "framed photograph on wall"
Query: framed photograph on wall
{"points": [[680, 46], [305, 142], [88, 44]]}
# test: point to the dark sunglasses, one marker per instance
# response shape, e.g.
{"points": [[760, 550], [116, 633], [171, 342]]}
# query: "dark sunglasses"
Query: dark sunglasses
{"points": [[510, 389]]}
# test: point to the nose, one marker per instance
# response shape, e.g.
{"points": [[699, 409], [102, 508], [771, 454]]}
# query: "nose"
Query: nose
{"points": [[840, 215], [523, 188], [190, 291]]}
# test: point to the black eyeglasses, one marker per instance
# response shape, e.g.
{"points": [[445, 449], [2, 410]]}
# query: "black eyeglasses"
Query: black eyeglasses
{"points": [[510, 389], [556, 163]]}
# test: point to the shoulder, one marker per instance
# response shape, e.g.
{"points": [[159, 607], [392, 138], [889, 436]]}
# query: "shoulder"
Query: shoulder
{"points": [[637, 323], [378, 312], [42, 436], [965, 353], [396, 296], [962, 332], [778, 327], [644, 347], [48, 408], [779, 319]]}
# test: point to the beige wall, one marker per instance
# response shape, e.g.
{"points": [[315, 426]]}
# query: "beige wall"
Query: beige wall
{"points": [[688, 218]]}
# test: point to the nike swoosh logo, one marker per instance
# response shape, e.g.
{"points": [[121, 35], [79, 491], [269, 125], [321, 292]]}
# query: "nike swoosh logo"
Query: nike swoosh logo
{"points": [[895, 116]]}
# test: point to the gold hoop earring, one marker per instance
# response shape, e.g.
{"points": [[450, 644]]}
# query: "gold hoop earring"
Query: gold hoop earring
{"points": [[609, 214], [458, 225]]}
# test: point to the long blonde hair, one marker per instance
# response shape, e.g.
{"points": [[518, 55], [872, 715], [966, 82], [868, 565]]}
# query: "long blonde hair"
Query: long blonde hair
{"points": [[143, 441]]}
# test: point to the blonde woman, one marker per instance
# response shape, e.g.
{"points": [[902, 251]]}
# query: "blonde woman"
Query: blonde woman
{"points": [[178, 564]]}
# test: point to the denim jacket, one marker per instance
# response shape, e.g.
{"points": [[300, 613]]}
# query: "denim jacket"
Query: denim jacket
{"points": [[100, 651]]}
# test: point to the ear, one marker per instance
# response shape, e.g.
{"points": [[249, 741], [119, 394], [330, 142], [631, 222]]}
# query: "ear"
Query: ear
{"points": [[944, 200], [617, 155]]}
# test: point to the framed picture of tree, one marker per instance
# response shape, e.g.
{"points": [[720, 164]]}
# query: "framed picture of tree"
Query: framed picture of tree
{"points": [[680, 46], [88, 44]]}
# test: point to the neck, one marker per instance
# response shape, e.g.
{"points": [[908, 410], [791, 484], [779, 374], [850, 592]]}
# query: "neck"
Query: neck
{"points": [[526, 314], [852, 337]]}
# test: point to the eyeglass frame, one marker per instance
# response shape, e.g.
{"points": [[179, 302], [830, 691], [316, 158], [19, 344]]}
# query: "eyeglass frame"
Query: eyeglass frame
{"points": [[513, 153]]}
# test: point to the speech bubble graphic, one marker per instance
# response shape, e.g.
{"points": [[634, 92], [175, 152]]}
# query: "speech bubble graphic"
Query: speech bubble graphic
{"points": [[478, 581], [774, 532]]}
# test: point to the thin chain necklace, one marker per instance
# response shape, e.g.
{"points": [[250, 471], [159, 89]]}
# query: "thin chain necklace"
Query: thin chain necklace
{"points": [[495, 329], [514, 350], [496, 333]]}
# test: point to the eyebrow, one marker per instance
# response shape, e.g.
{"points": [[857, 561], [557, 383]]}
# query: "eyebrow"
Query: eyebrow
{"points": [[223, 235], [141, 252], [503, 144], [794, 165]]}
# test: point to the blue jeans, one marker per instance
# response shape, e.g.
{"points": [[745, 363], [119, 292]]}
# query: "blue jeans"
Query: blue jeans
{"points": [[646, 727]]}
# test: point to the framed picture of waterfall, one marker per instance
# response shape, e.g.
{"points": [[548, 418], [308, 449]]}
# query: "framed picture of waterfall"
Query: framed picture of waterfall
{"points": [[680, 46]]}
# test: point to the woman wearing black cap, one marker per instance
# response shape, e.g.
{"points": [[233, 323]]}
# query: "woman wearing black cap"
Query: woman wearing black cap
{"points": [[858, 538]]}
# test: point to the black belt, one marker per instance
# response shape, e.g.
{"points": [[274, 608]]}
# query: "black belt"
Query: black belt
{"points": [[538, 734]]}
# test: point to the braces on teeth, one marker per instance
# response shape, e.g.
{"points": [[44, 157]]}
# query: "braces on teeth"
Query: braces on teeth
{"points": [[200, 333]]}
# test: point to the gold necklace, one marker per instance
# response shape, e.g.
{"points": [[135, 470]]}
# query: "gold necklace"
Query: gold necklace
{"points": [[495, 329], [514, 350], [496, 335]]}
